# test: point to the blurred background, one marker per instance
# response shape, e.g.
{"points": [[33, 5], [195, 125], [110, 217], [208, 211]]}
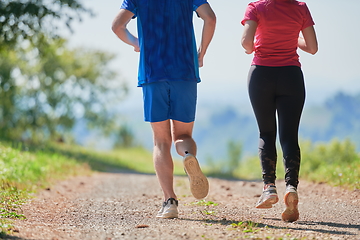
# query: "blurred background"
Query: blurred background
{"points": [[70, 105], [80, 86]]}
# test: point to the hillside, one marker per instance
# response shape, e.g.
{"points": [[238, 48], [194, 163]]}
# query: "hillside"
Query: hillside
{"points": [[218, 123]]}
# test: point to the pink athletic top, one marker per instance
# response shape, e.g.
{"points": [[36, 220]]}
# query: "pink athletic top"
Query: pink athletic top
{"points": [[279, 24]]}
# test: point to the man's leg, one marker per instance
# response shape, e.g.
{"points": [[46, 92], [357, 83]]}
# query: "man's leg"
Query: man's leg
{"points": [[186, 147], [163, 162], [182, 137]]}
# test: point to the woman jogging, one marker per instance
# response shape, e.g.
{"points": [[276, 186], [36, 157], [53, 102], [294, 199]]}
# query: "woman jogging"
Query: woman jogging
{"points": [[276, 86]]}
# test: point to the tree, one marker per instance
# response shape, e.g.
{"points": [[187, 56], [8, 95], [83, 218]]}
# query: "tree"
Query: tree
{"points": [[227, 167], [24, 19], [124, 138], [44, 86], [234, 155], [45, 89]]}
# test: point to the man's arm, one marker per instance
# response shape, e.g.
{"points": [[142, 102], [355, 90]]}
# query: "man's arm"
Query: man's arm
{"points": [[309, 42], [119, 28], [207, 14], [247, 40]]}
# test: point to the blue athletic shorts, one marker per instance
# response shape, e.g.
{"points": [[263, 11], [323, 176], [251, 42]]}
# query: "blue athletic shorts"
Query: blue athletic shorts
{"points": [[174, 100]]}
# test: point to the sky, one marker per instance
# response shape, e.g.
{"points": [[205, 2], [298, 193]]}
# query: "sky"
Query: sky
{"points": [[336, 66]]}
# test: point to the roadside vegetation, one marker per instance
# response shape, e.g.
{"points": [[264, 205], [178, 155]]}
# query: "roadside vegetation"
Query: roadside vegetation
{"points": [[335, 163], [23, 173]]}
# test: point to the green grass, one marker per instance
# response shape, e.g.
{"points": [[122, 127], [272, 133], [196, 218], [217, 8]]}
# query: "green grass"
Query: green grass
{"points": [[336, 163], [124, 159], [24, 172], [24, 169], [246, 227], [205, 203]]}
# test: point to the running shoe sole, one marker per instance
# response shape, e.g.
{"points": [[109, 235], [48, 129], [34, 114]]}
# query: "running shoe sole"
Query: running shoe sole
{"points": [[291, 213], [199, 184]]}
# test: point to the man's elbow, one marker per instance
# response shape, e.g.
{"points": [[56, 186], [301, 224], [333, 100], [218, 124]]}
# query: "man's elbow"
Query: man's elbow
{"points": [[114, 27], [213, 20], [210, 20], [117, 25]]}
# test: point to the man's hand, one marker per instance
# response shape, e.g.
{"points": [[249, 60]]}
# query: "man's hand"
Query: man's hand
{"points": [[206, 13], [200, 60]]}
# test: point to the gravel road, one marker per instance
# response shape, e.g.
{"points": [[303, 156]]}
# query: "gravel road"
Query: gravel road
{"points": [[123, 206]]}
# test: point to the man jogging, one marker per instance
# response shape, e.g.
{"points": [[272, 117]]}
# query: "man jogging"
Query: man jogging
{"points": [[168, 74]]}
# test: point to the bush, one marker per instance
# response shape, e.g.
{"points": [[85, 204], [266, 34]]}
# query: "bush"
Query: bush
{"points": [[336, 163]]}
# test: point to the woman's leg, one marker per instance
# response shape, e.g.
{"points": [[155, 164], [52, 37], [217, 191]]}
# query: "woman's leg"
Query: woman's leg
{"points": [[289, 106], [262, 87]]}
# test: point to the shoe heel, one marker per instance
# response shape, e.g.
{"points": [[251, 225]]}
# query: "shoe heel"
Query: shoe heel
{"points": [[199, 184], [291, 213], [291, 200]]}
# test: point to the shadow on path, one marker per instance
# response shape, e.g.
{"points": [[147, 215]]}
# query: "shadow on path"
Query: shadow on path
{"points": [[5, 236], [249, 224]]}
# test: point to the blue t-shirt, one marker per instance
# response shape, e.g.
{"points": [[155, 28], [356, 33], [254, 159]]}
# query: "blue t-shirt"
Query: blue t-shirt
{"points": [[167, 42]]}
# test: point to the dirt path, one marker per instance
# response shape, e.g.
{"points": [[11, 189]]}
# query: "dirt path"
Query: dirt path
{"points": [[123, 206]]}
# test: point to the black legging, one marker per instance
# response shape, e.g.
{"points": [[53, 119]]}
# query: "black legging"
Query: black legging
{"points": [[281, 90]]}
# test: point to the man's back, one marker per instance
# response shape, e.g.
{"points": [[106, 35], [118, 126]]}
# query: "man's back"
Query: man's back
{"points": [[166, 37]]}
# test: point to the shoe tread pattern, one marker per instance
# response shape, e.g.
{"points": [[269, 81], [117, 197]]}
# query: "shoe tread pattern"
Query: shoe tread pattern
{"points": [[199, 184]]}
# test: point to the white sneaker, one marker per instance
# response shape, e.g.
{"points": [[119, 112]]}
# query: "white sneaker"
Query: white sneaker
{"points": [[199, 184], [169, 209], [268, 197]]}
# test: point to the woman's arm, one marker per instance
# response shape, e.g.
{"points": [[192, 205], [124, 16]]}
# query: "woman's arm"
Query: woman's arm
{"points": [[119, 28], [309, 42], [247, 40]]}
